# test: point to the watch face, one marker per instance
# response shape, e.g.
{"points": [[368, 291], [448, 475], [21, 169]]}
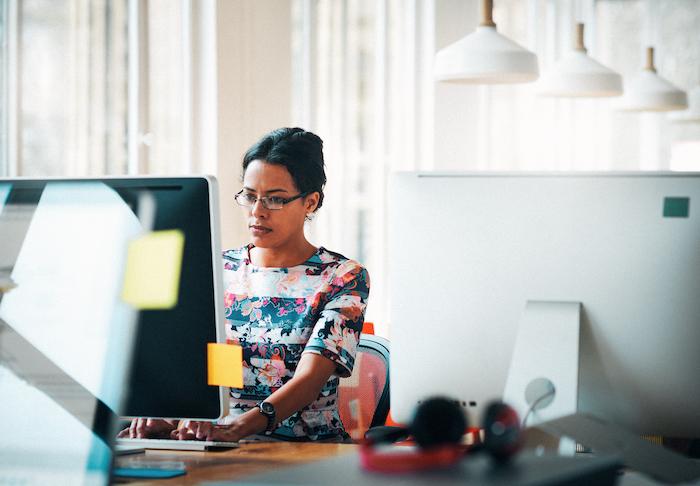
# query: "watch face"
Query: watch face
{"points": [[267, 408]]}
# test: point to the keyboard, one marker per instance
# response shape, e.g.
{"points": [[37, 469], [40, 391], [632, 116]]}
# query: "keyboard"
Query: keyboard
{"points": [[174, 444], [126, 449]]}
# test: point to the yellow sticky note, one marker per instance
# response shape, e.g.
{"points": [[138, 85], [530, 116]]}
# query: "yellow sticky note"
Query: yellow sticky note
{"points": [[152, 277], [225, 365]]}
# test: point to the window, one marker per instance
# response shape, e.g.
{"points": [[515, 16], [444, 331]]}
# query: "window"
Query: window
{"points": [[82, 81], [5, 73], [361, 85], [363, 81], [167, 93], [70, 87]]}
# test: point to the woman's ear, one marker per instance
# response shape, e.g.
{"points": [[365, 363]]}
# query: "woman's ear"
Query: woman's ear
{"points": [[311, 202]]}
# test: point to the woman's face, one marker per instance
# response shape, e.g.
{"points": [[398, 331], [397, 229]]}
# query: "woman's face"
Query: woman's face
{"points": [[275, 228]]}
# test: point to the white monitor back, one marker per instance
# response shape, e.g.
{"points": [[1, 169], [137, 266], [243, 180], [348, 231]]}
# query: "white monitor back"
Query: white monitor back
{"points": [[467, 251]]}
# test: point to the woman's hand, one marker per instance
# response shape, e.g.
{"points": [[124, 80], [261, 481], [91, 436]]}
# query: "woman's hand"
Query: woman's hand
{"points": [[147, 428], [251, 422], [192, 430]]}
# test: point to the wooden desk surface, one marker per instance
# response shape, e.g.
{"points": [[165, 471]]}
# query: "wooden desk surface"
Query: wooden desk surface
{"points": [[248, 459]]}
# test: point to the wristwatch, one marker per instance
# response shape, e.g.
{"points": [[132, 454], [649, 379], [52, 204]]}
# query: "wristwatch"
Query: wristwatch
{"points": [[268, 410]]}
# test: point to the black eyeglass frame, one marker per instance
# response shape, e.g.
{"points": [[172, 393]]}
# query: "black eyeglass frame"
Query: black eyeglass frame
{"points": [[265, 200]]}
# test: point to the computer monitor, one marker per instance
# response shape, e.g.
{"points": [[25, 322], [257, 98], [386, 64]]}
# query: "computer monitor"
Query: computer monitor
{"points": [[468, 251], [169, 368], [65, 334], [168, 375]]}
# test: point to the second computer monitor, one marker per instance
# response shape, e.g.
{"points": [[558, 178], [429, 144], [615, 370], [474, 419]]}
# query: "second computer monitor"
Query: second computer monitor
{"points": [[468, 251]]}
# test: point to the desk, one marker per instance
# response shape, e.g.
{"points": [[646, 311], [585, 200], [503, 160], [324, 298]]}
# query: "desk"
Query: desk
{"points": [[248, 459], [271, 459]]}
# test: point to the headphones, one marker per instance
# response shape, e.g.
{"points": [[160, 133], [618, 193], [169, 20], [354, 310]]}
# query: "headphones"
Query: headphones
{"points": [[437, 428]]}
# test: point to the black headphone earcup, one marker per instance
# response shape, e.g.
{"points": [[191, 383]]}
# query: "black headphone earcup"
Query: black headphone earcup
{"points": [[501, 431], [438, 421]]}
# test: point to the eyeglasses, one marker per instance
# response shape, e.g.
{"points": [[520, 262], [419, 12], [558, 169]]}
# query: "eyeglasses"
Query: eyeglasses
{"points": [[248, 200]]}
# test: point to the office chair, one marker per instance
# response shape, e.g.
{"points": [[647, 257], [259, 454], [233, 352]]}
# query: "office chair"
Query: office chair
{"points": [[363, 398]]}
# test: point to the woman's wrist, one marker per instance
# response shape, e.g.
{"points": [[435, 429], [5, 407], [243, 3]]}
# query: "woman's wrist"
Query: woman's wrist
{"points": [[250, 423], [253, 422]]}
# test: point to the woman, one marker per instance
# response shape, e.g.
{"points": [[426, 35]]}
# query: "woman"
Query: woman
{"points": [[296, 310]]}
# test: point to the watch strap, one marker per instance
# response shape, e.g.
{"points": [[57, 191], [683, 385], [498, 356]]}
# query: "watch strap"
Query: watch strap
{"points": [[268, 411]]}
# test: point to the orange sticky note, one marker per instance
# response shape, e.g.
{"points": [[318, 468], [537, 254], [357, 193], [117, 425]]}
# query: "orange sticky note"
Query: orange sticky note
{"points": [[225, 365]]}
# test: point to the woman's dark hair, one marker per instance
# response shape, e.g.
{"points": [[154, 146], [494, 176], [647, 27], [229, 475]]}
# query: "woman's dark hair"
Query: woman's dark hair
{"points": [[301, 152]]}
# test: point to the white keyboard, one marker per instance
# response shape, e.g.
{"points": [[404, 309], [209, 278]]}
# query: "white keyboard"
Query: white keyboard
{"points": [[174, 444]]}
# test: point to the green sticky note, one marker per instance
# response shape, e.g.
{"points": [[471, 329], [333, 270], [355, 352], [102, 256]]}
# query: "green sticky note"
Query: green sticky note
{"points": [[152, 277], [676, 207]]}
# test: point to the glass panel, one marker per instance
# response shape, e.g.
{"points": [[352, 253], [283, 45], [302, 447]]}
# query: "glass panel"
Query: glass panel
{"points": [[65, 335]]}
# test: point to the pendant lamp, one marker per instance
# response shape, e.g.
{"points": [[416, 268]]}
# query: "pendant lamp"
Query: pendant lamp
{"points": [[692, 114], [485, 57], [579, 75], [647, 91]]}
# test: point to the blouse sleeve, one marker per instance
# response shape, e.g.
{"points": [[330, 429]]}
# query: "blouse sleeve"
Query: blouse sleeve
{"points": [[336, 334]]}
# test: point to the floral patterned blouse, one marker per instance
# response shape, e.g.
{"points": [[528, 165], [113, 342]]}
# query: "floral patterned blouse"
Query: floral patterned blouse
{"points": [[278, 314]]}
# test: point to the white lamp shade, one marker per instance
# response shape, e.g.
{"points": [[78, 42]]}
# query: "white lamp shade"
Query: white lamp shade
{"points": [[648, 91], [578, 75], [692, 114], [485, 57]]}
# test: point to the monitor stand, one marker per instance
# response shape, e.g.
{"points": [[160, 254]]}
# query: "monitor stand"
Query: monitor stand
{"points": [[545, 365], [635, 452]]}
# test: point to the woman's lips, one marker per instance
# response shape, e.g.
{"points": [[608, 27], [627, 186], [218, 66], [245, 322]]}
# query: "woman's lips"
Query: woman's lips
{"points": [[258, 230]]}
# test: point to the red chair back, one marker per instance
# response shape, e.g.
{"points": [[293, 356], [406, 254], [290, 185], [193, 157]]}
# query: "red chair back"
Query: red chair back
{"points": [[363, 398]]}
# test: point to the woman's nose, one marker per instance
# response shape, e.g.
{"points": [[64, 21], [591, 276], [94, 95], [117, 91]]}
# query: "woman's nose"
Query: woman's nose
{"points": [[257, 208]]}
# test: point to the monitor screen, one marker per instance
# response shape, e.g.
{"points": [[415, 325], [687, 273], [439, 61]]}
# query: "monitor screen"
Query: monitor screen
{"points": [[65, 334], [469, 251], [169, 369]]}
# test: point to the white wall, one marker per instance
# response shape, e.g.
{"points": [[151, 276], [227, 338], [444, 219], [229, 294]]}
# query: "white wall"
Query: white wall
{"points": [[254, 91]]}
